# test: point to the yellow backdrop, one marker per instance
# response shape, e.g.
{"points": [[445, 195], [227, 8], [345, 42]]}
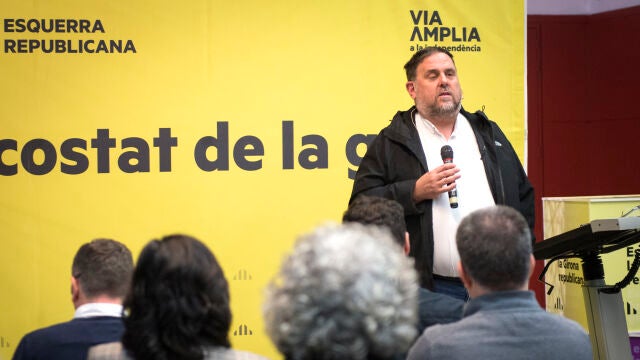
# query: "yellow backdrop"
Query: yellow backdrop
{"points": [[226, 120]]}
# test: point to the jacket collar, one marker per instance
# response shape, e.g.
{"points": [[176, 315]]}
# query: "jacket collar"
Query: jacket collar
{"points": [[502, 301], [403, 130]]}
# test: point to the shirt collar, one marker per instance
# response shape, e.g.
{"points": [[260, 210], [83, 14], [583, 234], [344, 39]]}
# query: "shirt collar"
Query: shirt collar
{"points": [[459, 119], [98, 309]]}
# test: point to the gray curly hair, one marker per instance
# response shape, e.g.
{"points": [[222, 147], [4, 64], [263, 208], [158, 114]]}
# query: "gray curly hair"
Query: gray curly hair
{"points": [[346, 292]]}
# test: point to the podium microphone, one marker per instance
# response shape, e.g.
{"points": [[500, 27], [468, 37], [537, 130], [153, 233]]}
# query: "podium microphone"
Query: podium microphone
{"points": [[446, 152]]}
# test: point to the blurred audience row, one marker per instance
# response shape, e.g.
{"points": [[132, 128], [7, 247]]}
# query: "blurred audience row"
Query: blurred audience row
{"points": [[344, 292]]}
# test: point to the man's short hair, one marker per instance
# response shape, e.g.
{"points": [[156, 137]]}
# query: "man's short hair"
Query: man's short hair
{"points": [[412, 65], [344, 293], [374, 210], [494, 244], [103, 267]]}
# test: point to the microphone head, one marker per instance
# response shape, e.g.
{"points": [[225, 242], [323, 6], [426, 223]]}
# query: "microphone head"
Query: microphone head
{"points": [[446, 152]]}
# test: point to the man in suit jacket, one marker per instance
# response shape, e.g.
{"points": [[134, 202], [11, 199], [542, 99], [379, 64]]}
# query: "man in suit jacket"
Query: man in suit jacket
{"points": [[433, 308], [100, 278], [503, 319]]}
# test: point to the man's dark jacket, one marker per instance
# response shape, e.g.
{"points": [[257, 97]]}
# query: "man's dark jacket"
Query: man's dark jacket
{"points": [[70, 340], [395, 160]]}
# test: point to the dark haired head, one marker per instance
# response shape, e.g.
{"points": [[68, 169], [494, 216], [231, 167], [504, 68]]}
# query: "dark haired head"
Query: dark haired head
{"points": [[495, 247], [373, 210], [179, 301], [412, 65], [103, 267]]}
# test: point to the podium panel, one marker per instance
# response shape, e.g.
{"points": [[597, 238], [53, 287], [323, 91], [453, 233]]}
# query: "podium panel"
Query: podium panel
{"points": [[562, 214]]}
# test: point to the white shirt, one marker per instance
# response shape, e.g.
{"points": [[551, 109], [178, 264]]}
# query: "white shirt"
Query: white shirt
{"points": [[98, 309], [472, 187]]}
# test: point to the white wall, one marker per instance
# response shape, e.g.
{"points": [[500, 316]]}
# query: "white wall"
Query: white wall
{"points": [[576, 7]]}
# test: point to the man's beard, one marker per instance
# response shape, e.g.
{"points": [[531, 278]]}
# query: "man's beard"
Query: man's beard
{"points": [[447, 109]]}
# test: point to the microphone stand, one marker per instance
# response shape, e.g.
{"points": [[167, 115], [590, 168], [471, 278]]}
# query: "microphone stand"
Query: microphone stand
{"points": [[605, 312]]}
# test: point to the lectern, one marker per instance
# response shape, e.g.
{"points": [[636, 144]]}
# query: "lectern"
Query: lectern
{"points": [[604, 306]]}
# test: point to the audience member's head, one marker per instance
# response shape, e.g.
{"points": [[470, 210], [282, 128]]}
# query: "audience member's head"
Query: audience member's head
{"points": [[179, 301], [345, 292], [495, 250], [373, 210], [101, 272], [100, 277], [433, 308]]}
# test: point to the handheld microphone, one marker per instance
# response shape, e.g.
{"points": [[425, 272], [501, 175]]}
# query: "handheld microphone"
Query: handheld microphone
{"points": [[446, 152]]}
